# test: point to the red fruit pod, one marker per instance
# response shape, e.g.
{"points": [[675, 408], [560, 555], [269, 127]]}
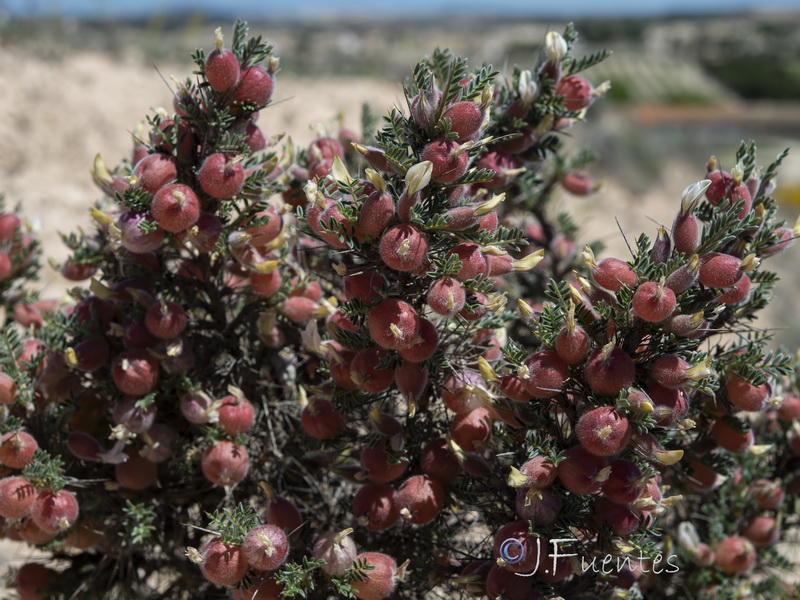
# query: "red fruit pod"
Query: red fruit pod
{"points": [[721, 185], [746, 396], [321, 420], [221, 69], [16, 497], [283, 513], [165, 319], [577, 92], [158, 439], [265, 547], [424, 344], [75, 271], [299, 309], [624, 484], [324, 148], [789, 409], [473, 261], [34, 581], [261, 235], [411, 378], [365, 285], [466, 118], [135, 372], [30, 532], [221, 176], [10, 225], [17, 448], [498, 161], [255, 87], [505, 584], [737, 293], [375, 461], [579, 184], [582, 472], [222, 564], [225, 463], [762, 531], [419, 499], [572, 344], [338, 550], [403, 248], [538, 472], [459, 391], [339, 359], [88, 355], [684, 277], [154, 171], [8, 389], [513, 386], [135, 240], [6, 267], [376, 213], [623, 520], [135, 418], [381, 581], [364, 371], [475, 307], [732, 439], [374, 506], [768, 494], [604, 431], [740, 193], [136, 473], [266, 284], [785, 239], [653, 302], [473, 430], [310, 289], [448, 160], [686, 233], [612, 274], [393, 324], [236, 415], [720, 270], [547, 374], [53, 511], [265, 588], [609, 370], [175, 207], [500, 265], [438, 461], [84, 446], [735, 555], [256, 141], [670, 405], [94, 312], [516, 550], [446, 296], [670, 371], [540, 505], [701, 478]]}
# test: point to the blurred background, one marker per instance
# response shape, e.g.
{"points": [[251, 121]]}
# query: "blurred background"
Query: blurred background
{"points": [[688, 79]]}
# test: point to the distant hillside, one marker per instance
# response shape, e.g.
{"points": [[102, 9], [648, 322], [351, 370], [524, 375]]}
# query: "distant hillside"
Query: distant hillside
{"points": [[681, 60]]}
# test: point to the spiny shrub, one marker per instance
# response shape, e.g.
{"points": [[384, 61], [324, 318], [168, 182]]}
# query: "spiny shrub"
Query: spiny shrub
{"points": [[377, 367]]}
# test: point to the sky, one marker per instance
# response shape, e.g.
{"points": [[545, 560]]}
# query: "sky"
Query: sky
{"points": [[250, 9]]}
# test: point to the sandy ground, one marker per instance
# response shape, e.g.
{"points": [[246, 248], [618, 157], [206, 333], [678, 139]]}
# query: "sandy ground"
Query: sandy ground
{"points": [[55, 116]]}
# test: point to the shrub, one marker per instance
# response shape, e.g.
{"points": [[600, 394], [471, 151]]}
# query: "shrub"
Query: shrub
{"points": [[196, 353]]}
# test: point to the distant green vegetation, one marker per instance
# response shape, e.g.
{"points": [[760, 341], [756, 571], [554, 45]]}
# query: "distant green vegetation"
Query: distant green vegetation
{"points": [[763, 76]]}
